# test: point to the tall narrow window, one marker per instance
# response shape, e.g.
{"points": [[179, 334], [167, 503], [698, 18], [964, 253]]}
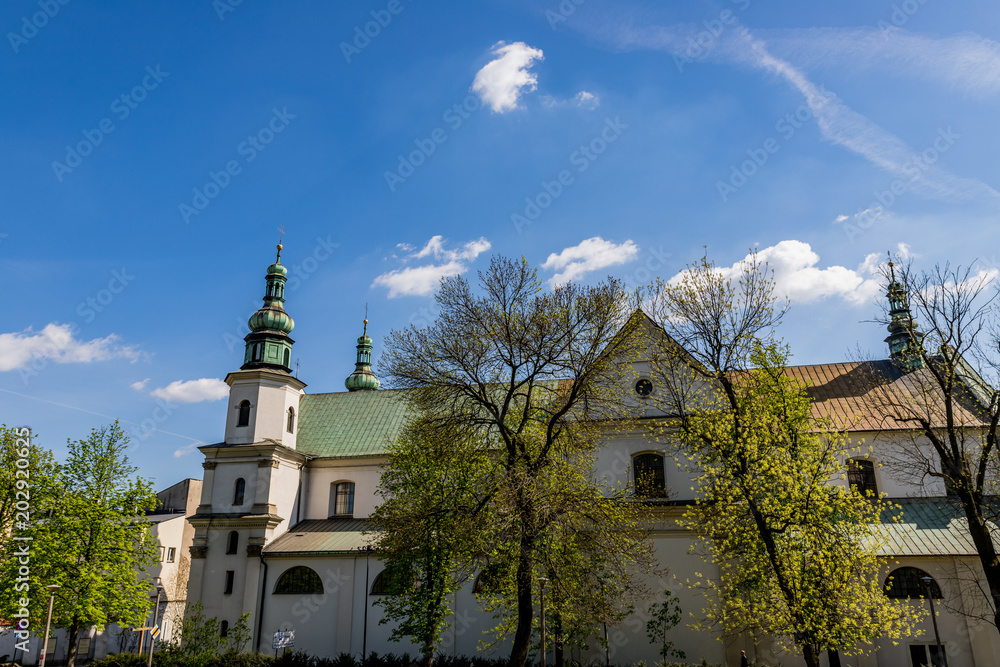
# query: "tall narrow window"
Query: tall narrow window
{"points": [[291, 420], [234, 542], [861, 475], [244, 419], [288, 358], [650, 481], [239, 491], [342, 498], [230, 578], [224, 629]]}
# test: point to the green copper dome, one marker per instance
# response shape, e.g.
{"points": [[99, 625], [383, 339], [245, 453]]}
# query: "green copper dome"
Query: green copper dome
{"points": [[363, 379], [271, 317], [268, 344]]}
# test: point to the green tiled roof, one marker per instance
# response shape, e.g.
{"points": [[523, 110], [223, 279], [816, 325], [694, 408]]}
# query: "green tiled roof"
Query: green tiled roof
{"points": [[321, 536], [929, 527], [357, 423]]}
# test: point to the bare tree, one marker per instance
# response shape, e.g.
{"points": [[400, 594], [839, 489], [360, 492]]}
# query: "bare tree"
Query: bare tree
{"points": [[939, 392]]}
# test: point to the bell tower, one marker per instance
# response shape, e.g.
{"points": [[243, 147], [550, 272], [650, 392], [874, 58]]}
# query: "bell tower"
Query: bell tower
{"points": [[904, 339], [263, 394]]}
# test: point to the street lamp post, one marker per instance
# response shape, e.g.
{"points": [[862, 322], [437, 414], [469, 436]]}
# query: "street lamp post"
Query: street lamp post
{"points": [[542, 581], [928, 580], [48, 622], [156, 609]]}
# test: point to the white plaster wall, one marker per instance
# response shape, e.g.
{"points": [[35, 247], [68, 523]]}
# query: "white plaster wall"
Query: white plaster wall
{"points": [[614, 463], [269, 404], [365, 473], [224, 486]]}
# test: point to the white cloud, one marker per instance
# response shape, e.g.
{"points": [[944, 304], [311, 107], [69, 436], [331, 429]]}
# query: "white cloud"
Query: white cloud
{"points": [[502, 80], [58, 343], [423, 280], [188, 448], [586, 100], [798, 277], [140, 385], [192, 391], [589, 255]]}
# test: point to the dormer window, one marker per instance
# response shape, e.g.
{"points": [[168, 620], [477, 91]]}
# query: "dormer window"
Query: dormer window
{"points": [[244, 417], [291, 420]]}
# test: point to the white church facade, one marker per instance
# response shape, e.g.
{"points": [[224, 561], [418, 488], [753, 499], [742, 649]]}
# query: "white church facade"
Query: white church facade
{"points": [[286, 494]]}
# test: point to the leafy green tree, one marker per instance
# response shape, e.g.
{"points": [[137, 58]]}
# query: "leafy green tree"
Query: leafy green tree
{"points": [[92, 541], [796, 555], [533, 377], [424, 534], [28, 475], [664, 617]]}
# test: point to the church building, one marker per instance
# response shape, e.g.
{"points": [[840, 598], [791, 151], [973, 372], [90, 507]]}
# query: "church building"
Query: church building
{"points": [[286, 494]]}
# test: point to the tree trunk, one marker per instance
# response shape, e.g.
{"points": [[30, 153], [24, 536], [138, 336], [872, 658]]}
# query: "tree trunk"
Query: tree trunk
{"points": [[981, 537], [525, 608], [811, 655], [428, 659], [74, 632]]}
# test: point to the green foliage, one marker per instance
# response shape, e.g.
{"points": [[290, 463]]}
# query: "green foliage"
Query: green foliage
{"points": [[665, 616], [123, 660], [199, 634], [88, 537], [796, 555], [239, 634], [515, 386]]}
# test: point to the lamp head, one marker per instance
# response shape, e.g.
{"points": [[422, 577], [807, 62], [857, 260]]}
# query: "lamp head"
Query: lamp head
{"points": [[52, 587]]}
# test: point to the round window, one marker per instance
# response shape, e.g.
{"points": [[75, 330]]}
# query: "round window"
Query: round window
{"points": [[644, 387]]}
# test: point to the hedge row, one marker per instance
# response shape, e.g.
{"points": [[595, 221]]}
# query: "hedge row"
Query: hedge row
{"points": [[169, 658]]}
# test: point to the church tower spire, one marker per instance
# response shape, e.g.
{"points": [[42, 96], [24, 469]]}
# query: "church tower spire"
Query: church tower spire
{"points": [[268, 344], [904, 339], [363, 379]]}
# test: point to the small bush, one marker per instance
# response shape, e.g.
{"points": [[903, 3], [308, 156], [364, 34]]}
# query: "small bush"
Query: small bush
{"points": [[121, 660]]}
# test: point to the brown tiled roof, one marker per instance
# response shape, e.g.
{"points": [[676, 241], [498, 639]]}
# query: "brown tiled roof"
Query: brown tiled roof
{"points": [[846, 394]]}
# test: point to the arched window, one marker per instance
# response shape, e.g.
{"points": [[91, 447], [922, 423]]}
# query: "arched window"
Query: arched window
{"points": [[224, 629], [650, 481], [258, 351], [391, 581], [299, 579], [288, 358], [244, 419], [291, 420], [233, 544], [861, 476], [341, 498], [907, 583], [239, 491]]}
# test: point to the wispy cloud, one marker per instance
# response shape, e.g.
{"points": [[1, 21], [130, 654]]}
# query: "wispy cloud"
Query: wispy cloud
{"points": [[422, 280], [501, 81], [140, 385], [58, 343], [192, 391], [838, 123], [583, 99], [587, 256], [188, 448]]}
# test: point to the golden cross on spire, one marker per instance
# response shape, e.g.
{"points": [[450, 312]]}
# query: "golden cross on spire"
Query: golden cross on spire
{"points": [[281, 234]]}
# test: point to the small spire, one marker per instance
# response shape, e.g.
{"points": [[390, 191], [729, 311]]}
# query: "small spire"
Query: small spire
{"points": [[281, 235], [363, 378], [905, 340]]}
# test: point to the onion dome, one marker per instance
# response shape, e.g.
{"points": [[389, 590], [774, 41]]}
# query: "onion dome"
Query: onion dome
{"points": [[363, 379], [268, 344]]}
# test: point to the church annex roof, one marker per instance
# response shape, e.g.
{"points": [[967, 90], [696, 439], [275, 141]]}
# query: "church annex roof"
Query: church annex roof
{"points": [[346, 424], [320, 537], [843, 393], [929, 527]]}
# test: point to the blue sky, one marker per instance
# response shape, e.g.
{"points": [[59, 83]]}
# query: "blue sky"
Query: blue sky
{"points": [[153, 150]]}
